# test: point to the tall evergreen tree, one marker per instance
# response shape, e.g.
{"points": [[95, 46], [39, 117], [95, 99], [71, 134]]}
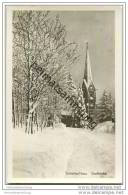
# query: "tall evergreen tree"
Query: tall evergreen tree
{"points": [[105, 107], [78, 120], [72, 89]]}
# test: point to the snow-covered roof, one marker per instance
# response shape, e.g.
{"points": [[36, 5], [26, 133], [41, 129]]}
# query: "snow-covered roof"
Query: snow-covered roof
{"points": [[65, 112]]}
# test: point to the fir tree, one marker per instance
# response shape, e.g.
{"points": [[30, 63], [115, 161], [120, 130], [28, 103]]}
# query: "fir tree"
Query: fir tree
{"points": [[72, 89], [79, 122], [105, 107]]}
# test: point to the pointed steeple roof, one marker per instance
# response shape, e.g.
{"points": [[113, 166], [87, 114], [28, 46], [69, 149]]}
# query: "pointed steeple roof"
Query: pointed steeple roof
{"points": [[87, 71]]}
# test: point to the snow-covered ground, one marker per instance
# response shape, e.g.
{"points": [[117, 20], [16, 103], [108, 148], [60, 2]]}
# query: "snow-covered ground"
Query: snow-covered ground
{"points": [[67, 152]]}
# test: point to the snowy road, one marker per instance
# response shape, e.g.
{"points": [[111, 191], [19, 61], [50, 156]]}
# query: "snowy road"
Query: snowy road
{"points": [[92, 156], [63, 153]]}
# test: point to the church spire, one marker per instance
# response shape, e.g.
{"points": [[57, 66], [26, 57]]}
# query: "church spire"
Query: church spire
{"points": [[87, 71], [88, 88]]}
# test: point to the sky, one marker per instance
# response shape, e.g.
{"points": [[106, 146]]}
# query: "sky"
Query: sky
{"points": [[96, 27]]}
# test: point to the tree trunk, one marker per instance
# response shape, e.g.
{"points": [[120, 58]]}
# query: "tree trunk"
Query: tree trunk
{"points": [[13, 113], [29, 124]]}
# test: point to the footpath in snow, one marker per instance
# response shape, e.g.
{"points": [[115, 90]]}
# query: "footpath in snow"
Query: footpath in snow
{"points": [[62, 152]]}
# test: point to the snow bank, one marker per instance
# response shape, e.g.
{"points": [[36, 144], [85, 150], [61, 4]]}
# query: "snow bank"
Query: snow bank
{"points": [[60, 126], [93, 152], [106, 127], [56, 152], [42, 154]]}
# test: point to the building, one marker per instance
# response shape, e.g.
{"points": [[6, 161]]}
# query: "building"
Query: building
{"points": [[89, 95], [88, 87]]}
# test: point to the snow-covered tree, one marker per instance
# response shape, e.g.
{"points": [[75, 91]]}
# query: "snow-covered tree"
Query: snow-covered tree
{"points": [[105, 107], [72, 89], [39, 39], [79, 121]]}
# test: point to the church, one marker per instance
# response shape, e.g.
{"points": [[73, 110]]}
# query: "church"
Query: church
{"points": [[89, 95], [88, 87]]}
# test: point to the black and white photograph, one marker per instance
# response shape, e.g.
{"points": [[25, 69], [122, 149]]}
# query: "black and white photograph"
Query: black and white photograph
{"points": [[63, 119]]}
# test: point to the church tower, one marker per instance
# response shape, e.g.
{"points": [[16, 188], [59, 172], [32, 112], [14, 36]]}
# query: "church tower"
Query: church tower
{"points": [[89, 91]]}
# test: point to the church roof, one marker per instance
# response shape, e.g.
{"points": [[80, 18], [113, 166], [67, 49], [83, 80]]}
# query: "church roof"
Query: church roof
{"points": [[87, 71], [66, 112]]}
